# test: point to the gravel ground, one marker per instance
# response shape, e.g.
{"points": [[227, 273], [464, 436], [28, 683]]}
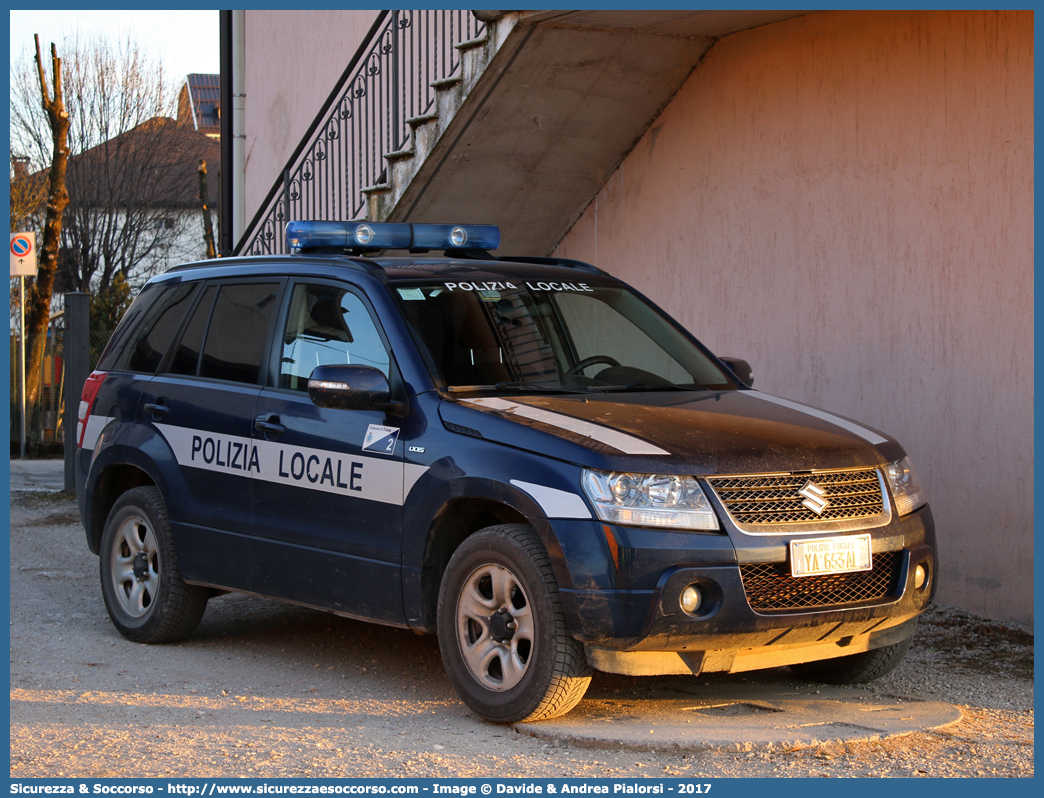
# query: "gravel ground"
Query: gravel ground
{"points": [[265, 689]]}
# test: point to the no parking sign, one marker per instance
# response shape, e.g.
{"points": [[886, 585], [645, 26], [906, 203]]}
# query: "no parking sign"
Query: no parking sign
{"points": [[23, 254]]}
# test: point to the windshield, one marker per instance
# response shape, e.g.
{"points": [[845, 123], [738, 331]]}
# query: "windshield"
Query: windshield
{"points": [[554, 336]]}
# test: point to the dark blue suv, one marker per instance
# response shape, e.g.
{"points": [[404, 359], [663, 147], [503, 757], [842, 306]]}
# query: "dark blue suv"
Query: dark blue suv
{"points": [[522, 455]]}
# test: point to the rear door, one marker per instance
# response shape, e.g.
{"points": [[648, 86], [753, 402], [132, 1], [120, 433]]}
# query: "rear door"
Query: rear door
{"points": [[202, 404], [328, 495]]}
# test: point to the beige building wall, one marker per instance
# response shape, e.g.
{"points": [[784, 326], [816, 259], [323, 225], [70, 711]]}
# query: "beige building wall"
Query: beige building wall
{"points": [[846, 200], [287, 85]]}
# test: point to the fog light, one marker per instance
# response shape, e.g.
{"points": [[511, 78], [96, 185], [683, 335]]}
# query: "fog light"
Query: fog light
{"points": [[920, 576], [690, 599]]}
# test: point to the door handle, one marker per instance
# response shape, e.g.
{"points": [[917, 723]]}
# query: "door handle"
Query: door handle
{"points": [[269, 425], [157, 409]]}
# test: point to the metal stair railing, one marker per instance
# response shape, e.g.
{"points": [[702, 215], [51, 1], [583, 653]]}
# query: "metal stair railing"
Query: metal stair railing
{"points": [[386, 83]]}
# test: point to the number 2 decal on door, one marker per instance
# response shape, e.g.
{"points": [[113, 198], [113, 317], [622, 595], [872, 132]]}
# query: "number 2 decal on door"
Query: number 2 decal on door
{"points": [[380, 440]]}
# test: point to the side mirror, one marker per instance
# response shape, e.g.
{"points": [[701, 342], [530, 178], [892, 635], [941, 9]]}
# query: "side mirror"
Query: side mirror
{"points": [[344, 387], [741, 368]]}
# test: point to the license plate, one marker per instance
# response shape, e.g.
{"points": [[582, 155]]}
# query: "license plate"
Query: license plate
{"points": [[830, 555]]}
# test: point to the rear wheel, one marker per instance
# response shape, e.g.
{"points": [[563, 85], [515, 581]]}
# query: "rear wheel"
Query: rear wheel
{"points": [[141, 583], [855, 668], [502, 631]]}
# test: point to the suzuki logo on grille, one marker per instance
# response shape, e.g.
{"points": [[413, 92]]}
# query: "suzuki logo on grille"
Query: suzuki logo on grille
{"points": [[815, 497]]}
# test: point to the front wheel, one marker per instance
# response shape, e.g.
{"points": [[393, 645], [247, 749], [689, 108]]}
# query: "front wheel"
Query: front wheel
{"points": [[502, 631], [141, 583]]}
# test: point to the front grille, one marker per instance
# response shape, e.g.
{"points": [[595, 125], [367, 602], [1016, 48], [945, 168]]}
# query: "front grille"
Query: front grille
{"points": [[774, 499], [769, 586]]}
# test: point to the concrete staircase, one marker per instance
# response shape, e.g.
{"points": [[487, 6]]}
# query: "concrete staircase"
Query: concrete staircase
{"points": [[545, 107], [428, 130]]}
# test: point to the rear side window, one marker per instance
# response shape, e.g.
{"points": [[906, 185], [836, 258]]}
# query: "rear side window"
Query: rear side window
{"points": [[149, 339], [237, 332], [129, 324], [186, 356]]}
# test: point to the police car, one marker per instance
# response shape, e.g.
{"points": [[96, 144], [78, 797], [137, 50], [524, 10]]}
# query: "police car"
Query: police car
{"points": [[523, 455]]}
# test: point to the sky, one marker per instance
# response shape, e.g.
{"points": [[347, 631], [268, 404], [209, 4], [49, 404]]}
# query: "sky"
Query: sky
{"points": [[183, 41]]}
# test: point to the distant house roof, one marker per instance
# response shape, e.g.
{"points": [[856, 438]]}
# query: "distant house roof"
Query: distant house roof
{"points": [[199, 103], [155, 164]]}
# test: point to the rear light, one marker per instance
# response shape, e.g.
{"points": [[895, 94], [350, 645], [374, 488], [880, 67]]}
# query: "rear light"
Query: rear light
{"points": [[90, 393]]}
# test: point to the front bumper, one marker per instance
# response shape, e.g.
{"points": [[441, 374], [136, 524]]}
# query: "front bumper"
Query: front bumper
{"points": [[630, 614]]}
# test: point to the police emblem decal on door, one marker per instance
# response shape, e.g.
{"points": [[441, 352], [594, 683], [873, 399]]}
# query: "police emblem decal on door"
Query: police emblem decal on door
{"points": [[380, 440]]}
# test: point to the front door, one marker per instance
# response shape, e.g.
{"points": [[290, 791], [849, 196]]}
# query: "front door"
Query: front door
{"points": [[328, 495]]}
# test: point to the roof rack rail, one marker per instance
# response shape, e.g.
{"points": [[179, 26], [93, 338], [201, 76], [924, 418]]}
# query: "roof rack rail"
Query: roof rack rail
{"points": [[353, 257], [349, 259], [568, 263], [465, 254], [362, 264]]}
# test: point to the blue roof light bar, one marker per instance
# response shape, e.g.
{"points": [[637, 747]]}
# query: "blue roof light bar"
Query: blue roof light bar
{"points": [[304, 235], [347, 235]]}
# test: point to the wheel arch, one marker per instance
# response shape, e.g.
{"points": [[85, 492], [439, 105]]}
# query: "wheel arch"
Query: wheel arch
{"points": [[456, 521], [113, 481], [442, 513]]}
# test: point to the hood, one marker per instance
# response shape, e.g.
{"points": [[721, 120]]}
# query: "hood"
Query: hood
{"points": [[727, 432]]}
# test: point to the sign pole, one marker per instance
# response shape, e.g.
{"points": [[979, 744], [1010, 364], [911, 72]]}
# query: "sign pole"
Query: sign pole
{"points": [[21, 355], [23, 264]]}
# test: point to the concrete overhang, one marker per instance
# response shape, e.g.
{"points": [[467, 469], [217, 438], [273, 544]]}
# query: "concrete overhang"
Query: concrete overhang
{"points": [[714, 24], [560, 104]]}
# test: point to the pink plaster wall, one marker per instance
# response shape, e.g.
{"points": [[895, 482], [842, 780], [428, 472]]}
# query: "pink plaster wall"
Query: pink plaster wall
{"points": [[293, 59], [846, 200]]}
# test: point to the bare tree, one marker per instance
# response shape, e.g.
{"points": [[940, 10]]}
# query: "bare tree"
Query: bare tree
{"points": [[39, 307], [131, 168], [204, 198]]}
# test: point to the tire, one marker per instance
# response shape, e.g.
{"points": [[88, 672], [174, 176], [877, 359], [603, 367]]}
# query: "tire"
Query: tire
{"points": [[141, 584], [855, 668], [502, 631]]}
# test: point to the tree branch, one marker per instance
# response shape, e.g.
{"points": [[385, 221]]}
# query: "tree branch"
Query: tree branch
{"points": [[56, 71], [43, 77]]}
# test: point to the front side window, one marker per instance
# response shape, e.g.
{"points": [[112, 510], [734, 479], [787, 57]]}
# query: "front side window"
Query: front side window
{"points": [[586, 336], [327, 326]]}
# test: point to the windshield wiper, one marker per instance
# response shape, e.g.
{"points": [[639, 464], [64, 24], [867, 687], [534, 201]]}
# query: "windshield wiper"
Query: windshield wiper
{"points": [[644, 386], [507, 386]]}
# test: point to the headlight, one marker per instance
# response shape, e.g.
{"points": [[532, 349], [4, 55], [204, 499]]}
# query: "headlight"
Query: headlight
{"points": [[649, 500], [906, 487]]}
